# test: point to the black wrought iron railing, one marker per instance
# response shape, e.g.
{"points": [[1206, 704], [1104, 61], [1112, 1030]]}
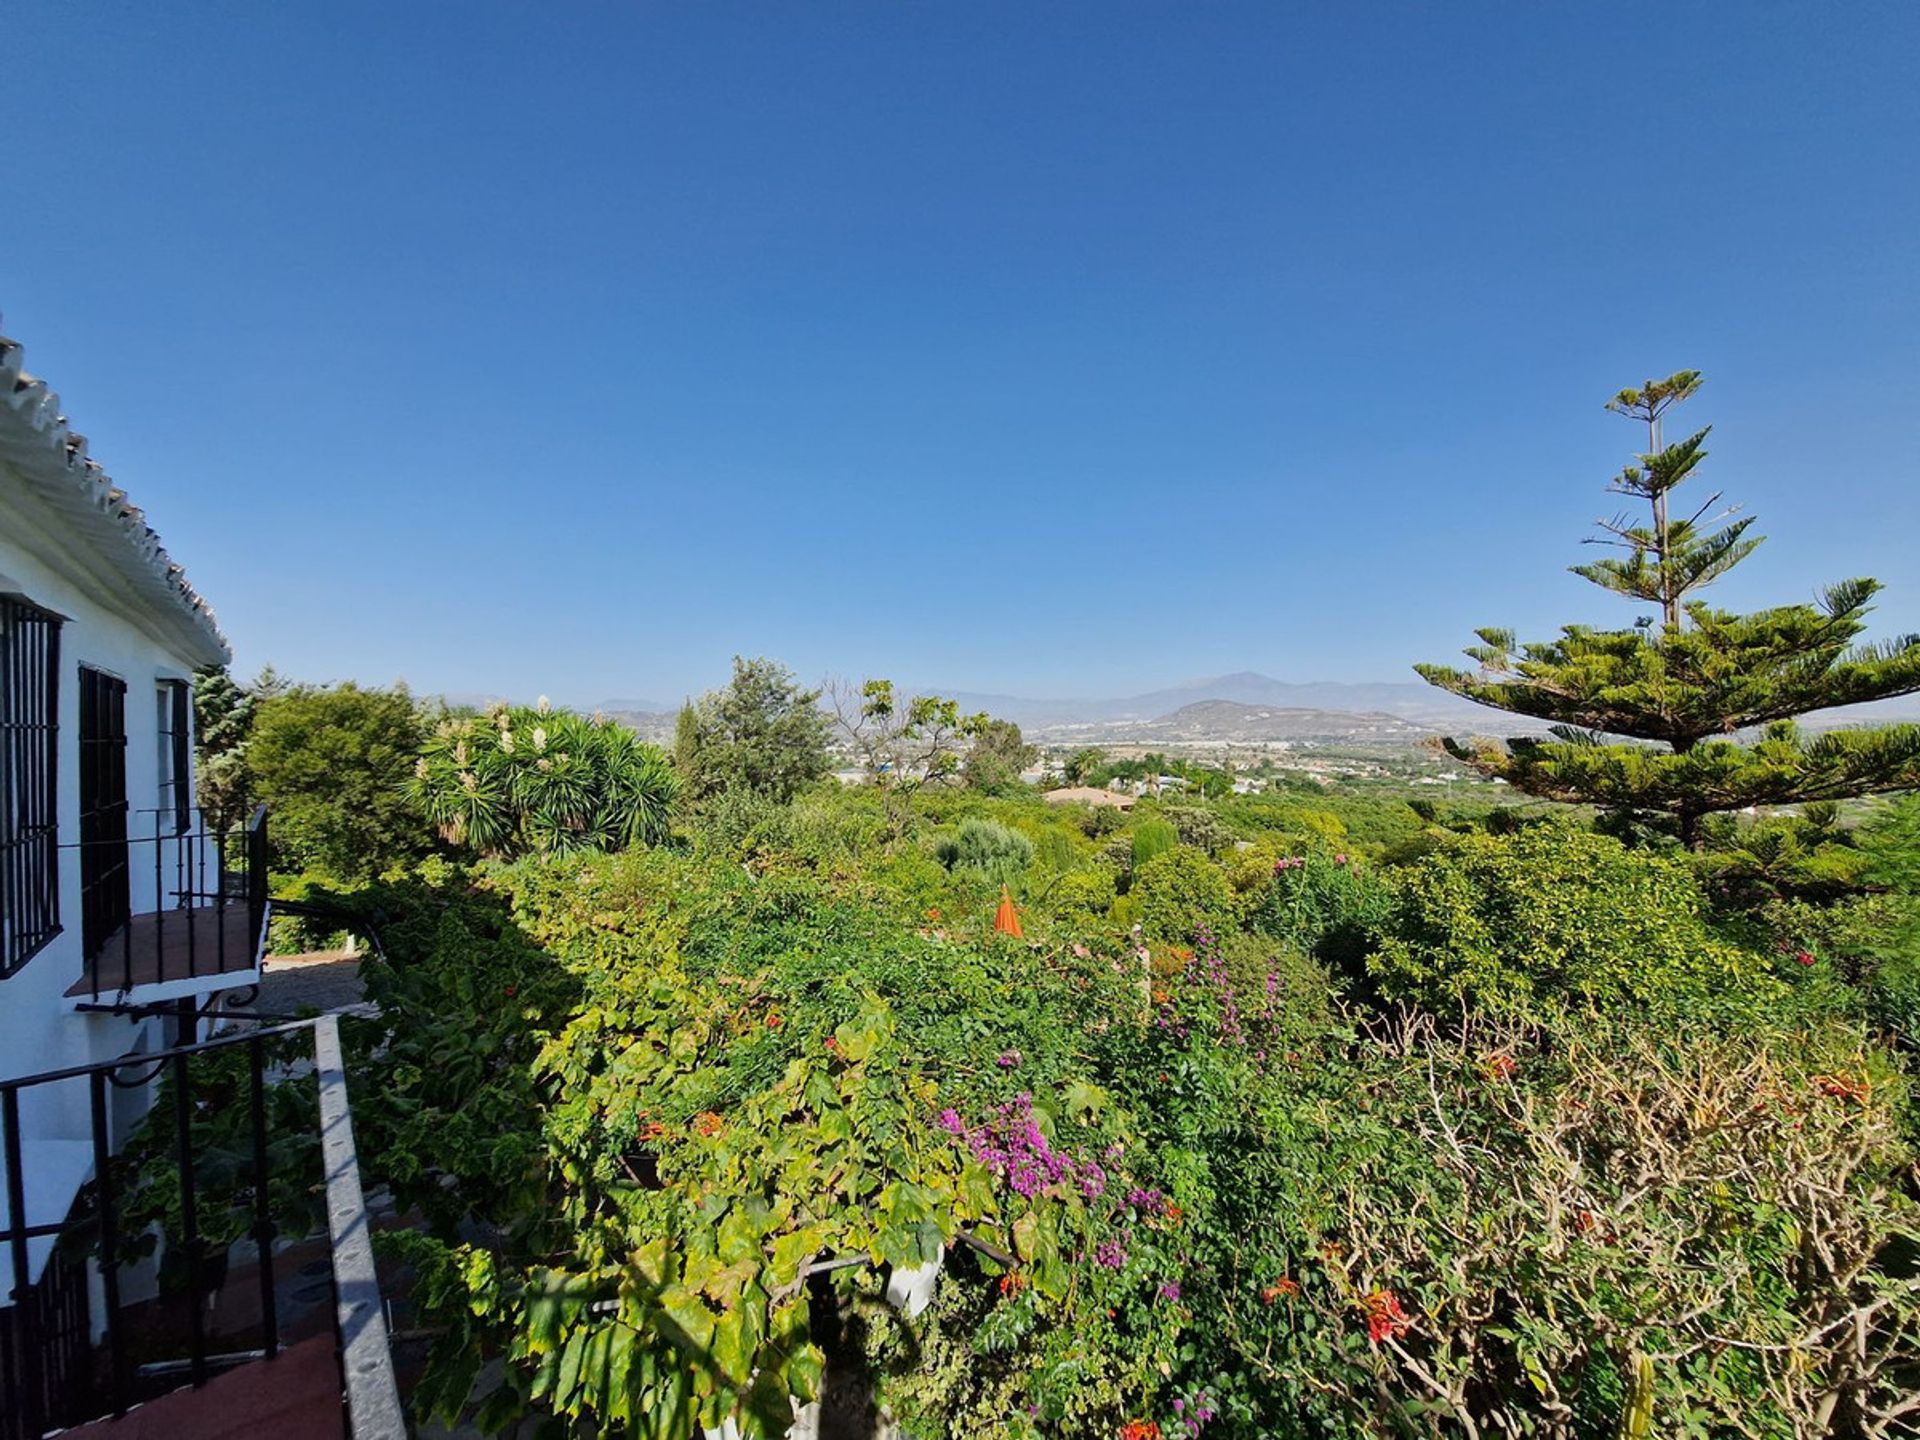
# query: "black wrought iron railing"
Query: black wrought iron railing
{"points": [[198, 906], [215, 1141]]}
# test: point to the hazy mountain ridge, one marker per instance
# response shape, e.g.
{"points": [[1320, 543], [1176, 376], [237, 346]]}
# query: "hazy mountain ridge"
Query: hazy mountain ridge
{"points": [[1407, 701], [1231, 721], [1249, 707]]}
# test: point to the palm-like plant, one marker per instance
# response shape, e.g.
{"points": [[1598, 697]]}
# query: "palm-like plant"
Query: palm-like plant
{"points": [[534, 779]]}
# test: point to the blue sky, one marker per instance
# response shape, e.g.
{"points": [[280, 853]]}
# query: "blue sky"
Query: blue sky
{"points": [[1057, 349]]}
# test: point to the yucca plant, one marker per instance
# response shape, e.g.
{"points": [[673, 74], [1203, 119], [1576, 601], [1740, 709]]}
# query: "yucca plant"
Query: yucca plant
{"points": [[523, 779]]}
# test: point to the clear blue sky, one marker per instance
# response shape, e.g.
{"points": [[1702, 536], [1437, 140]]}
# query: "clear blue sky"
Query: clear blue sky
{"points": [[1055, 349]]}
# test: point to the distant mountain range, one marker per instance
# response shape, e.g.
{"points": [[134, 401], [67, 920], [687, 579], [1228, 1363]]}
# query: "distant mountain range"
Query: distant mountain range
{"points": [[1416, 705], [1248, 707], [1231, 722]]}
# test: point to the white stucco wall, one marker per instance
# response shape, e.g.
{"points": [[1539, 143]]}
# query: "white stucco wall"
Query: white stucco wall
{"points": [[104, 629]]}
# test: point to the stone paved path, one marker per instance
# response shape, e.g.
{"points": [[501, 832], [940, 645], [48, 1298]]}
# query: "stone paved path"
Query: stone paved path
{"points": [[326, 980]]}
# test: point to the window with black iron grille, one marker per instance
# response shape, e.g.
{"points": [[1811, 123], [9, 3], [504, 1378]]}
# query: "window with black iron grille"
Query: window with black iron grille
{"points": [[104, 896], [29, 746], [171, 698]]}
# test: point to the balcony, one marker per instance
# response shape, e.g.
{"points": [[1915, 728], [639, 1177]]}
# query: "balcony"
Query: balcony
{"points": [[173, 914], [224, 1315]]}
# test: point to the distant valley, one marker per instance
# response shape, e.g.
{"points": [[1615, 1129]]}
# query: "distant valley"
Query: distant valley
{"points": [[1248, 708]]}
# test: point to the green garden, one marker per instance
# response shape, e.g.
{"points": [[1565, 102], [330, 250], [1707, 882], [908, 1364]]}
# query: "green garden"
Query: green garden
{"points": [[714, 1094]]}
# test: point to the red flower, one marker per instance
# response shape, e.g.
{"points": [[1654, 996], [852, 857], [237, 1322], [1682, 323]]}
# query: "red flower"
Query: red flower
{"points": [[1385, 1319], [1805, 957], [1843, 1087], [1139, 1430], [511, 991], [773, 1020]]}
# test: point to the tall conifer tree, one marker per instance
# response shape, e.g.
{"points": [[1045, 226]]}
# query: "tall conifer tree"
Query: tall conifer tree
{"points": [[1691, 676]]}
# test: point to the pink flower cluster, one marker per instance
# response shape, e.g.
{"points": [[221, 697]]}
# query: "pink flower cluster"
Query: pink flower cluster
{"points": [[1206, 960], [1195, 1413], [1012, 1148]]}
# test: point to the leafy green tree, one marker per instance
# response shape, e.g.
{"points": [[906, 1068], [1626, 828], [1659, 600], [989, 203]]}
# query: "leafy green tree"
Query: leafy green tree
{"points": [[534, 780], [332, 766], [762, 733], [1690, 677], [222, 725], [997, 757], [1082, 764], [903, 746]]}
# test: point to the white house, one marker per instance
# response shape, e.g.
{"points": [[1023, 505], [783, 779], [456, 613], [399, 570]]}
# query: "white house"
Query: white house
{"points": [[120, 916]]}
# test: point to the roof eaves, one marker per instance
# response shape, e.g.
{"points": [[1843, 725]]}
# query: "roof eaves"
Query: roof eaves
{"points": [[37, 439]]}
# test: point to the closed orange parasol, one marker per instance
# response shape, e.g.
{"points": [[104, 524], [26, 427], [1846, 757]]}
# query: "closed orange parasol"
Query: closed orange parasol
{"points": [[1005, 920]]}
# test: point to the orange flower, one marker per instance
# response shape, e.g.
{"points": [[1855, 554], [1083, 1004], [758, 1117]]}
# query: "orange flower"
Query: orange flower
{"points": [[1173, 1213], [1283, 1286], [1139, 1430], [1012, 1283], [1500, 1067], [652, 1130], [708, 1123], [933, 912], [1843, 1087], [773, 1020], [1385, 1319]]}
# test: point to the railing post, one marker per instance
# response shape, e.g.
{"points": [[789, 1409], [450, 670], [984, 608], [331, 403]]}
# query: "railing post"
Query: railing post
{"points": [[373, 1396], [109, 1242], [262, 1197], [256, 877], [26, 1317], [189, 1214]]}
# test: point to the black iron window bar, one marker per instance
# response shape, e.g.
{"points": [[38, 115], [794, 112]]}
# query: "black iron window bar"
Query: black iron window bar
{"points": [[29, 780]]}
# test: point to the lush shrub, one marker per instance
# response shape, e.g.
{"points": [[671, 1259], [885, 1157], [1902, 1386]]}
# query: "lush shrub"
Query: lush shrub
{"points": [[1180, 894], [1199, 827], [988, 847], [770, 1106], [532, 780], [1554, 915], [1091, 891], [1325, 904], [657, 1084], [1151, 839], [1055, 849], [823, 831], [1463, 1230]]}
